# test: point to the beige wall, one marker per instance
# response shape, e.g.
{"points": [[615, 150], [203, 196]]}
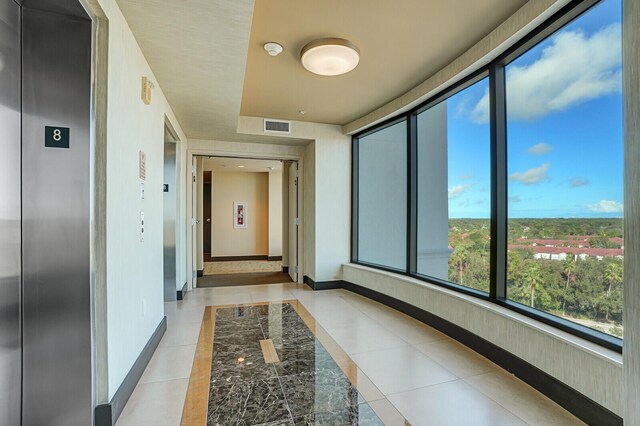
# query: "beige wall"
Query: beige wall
{"points": [[131, 306], [275, 213], [252, 188]]}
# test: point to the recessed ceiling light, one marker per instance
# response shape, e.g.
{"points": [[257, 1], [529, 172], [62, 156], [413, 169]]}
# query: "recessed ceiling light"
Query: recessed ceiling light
{"points": [[302, 112], [273, 49], [271, 168], [330, 56], [241, 166]]}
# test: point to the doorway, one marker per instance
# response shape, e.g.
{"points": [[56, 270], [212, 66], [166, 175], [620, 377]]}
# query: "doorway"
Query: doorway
{"points": [[206, 209], [170, 213], [245, 229]]}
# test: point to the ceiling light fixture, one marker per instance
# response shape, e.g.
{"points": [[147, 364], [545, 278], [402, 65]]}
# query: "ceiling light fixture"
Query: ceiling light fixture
{"points": [[240, 166], [330, 56], [273, 49]]}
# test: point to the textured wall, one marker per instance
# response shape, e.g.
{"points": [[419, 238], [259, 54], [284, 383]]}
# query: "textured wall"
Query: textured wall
{"points": [[134, 294], [308, 218], [631, 88]]}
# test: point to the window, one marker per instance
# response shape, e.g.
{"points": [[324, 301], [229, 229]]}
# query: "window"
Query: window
{"points": [[454, 190], [382, 201], [564, 167], [509, 187]]}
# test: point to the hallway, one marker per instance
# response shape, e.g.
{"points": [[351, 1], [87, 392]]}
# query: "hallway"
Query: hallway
{"points": [[402, 371]]}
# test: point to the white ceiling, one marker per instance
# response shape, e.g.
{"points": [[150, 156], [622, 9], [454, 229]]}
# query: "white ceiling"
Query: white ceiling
{"points": [[223, 164], [199, 50]]}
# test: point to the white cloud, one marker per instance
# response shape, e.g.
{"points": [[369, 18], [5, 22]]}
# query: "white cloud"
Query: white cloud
{"points": [[572, 69], [532, 176], [467, 177], [540, 149], [606, 206], [515, 199], [458, 190], [577, 182]]}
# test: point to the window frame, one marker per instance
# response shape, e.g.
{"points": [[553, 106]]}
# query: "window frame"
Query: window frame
{"points": [[495, 71]]}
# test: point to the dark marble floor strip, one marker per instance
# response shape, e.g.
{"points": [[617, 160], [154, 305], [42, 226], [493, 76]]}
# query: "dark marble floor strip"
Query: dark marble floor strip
{"points": [[306, 386]]}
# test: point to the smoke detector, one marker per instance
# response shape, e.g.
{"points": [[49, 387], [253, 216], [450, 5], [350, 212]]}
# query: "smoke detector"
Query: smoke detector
{"points": [[273, 49]]}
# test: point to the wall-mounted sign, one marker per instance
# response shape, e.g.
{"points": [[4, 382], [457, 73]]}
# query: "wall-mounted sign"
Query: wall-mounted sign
{"points": [[56, 137], [165, 187], [240, 214], [142, 163]]}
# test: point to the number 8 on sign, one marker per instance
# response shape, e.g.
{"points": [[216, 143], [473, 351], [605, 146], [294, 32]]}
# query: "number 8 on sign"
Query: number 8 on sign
{"points": [[56, 137]]}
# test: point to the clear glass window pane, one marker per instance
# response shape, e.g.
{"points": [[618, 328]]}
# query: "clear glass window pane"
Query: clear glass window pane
{"points": [[565, 170], [382, 201], [454, 189]]}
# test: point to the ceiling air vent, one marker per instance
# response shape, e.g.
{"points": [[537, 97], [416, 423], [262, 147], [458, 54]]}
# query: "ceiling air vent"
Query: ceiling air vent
{"points": [[277, 126]]}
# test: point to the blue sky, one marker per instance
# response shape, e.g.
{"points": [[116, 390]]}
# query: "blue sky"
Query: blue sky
{"points": [[564, 127]]}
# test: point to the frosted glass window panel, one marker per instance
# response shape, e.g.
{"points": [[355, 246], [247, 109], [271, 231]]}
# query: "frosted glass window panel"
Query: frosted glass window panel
{"points": [[382, 203]]}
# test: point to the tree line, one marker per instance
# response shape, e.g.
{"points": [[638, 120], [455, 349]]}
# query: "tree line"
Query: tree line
{"points": [[588, 289]]}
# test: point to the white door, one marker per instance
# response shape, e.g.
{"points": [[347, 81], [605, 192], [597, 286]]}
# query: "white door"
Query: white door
{"points": [[293, 221], [194, 222]]}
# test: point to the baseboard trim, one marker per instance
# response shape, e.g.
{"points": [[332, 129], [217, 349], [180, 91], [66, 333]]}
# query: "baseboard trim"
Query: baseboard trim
{"points": [[323, 285], [237, 258], [274, 258], [200, 273], [181, 293], [107, 414], [570, 399]]}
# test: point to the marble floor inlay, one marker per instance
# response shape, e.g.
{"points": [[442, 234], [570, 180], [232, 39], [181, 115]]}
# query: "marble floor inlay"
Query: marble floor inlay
{"points": [[399, 370], [290, 380]]}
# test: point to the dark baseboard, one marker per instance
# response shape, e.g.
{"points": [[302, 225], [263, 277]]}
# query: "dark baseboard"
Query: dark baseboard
{"points": [[182, 292], [573, 401], [274, 258], [107, 414], [200, 273], [237, 258], [323, 285], [285, 269]]}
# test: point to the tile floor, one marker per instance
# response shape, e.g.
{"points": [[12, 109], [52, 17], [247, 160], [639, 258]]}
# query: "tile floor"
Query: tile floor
{"points": [[406, 371]]}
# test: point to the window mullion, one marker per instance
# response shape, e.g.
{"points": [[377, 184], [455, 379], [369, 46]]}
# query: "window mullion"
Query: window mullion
{"points": [[412, 192], [498, 105]]}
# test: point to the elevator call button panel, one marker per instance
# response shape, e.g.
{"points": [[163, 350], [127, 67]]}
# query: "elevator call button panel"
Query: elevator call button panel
{"points": [[56, 137]]}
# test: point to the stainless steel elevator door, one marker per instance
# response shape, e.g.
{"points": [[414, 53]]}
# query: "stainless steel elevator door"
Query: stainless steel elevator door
{"points": [[10, 347], [56, 79]]}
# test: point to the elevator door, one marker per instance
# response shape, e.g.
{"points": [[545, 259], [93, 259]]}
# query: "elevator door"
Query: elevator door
{"points": [[10, 269], [56, 224]]}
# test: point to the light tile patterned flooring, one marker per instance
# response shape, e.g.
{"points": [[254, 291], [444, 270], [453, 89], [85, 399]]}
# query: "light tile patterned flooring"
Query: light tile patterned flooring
{"points": [[404, 368], [242, 267]]}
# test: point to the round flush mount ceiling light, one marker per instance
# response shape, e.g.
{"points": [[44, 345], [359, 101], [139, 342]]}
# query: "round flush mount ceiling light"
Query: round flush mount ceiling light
{"points": [[273, 49], [330, 56]]}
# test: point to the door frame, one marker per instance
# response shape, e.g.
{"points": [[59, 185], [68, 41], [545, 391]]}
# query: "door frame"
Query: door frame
{"points": [[191, 247]]}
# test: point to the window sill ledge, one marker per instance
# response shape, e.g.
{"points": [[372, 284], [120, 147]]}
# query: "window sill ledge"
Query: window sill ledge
{"points": [[584, 345]]}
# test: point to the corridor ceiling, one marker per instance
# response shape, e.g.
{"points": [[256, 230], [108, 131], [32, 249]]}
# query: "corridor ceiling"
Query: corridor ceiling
{"points": [[199, 51]]}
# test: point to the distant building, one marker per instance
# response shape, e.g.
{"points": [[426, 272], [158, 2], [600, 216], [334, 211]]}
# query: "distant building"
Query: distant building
{"points": [[561, 253]]}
